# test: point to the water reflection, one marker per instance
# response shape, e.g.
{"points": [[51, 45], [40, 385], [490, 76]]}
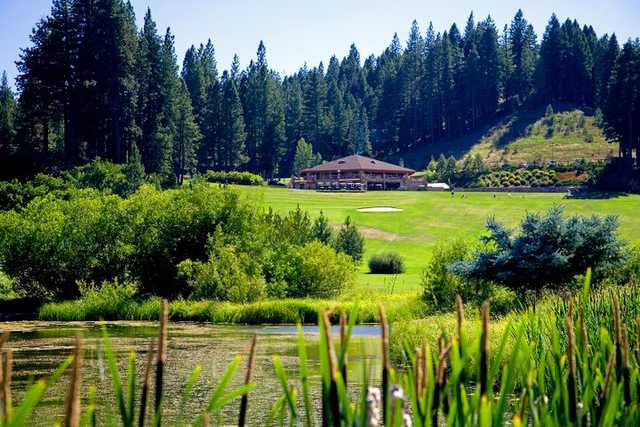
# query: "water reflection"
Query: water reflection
{"points": [[39, 347]]}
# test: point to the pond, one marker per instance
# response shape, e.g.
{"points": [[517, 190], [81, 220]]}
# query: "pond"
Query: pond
{"points": [[38, 347]]}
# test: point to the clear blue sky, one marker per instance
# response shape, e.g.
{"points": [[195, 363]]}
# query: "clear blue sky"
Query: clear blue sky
{"points": [[302, 31]]}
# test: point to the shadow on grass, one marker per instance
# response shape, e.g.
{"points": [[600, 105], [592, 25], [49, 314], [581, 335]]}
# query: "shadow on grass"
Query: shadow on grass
{"points": [[596, 195]]}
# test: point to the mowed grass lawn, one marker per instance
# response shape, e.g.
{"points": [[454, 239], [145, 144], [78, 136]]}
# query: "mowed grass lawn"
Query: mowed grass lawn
{"points": [[429, 217]]}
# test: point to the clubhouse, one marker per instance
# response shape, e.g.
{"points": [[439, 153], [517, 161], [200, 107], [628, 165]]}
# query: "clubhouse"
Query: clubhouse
{"points": [[356, 173]]}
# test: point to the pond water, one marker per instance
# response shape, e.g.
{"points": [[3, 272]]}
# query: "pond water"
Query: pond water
{"points": [[38, 347]]}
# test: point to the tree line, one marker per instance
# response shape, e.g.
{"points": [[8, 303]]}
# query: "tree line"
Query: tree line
{"points": [[94, 85]]}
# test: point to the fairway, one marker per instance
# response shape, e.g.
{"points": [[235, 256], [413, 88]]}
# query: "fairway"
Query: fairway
{"points": [[428, 217]]}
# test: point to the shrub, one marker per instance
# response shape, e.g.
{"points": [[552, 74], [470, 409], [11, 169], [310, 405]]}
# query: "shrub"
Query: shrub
{"points": [[386, 263], [549, 251], [350, 241], [6, 287], [226, 276], [319, 272], [233, 177]]}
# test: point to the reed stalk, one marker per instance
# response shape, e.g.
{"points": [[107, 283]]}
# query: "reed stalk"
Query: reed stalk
{"points": [[247, 380], [386, 361], [72, 404], [162, 358], [146, 386]]}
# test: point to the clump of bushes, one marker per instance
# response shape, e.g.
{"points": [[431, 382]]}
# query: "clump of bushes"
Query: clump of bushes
{"points": [[519, 178], [234, 177], [197, 241], [386, 263]]}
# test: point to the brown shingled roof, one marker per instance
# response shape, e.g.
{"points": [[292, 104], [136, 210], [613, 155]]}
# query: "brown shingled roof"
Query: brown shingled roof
{"points": [[358, 163]]}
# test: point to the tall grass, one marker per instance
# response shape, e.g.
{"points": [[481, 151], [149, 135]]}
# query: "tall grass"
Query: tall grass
{"points": [[271, 311], [524, 373]]}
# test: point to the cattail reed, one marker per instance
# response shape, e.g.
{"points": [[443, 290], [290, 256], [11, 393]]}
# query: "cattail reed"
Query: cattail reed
{"points": [[72, 404], [571, 354], [6, 384], [146, 385], [440, 381], [386, 363], [343, 343], [425, 368], [334, 403], [162, 358], [617, 328], [247, 380], [484, 351], [626, 368]]}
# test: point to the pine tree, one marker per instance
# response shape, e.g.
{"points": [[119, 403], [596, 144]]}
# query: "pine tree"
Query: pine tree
{"points": [[7, 121], [232, 128], [489, 68], [305, 157], [522, 49], [156, 90], [350, 241], [187, 136], [551, 52], [321, 229]]}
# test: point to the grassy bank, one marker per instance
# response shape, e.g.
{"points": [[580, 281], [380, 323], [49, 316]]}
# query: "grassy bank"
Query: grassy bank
{"points": [[399, 307]]}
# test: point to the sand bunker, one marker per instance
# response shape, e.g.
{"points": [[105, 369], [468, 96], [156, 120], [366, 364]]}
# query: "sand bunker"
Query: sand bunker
{"points": [[380, 209]]}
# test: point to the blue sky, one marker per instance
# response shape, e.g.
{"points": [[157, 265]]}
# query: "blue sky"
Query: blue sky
{"points": [[302, 31]]}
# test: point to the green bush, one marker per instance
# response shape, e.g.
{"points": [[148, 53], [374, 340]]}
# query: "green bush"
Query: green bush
{"points": [[226, 276], [233, 177], [6, 287], [320, 272], [549, 252], [386, 263]]}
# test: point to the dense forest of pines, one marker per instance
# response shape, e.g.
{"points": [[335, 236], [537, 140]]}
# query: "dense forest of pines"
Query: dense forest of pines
{"points": [[93, 85]]}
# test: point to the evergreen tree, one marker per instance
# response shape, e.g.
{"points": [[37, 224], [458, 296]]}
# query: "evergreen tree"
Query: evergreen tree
{"points": [[156, 90], [623, 105], [187, 136], [522, 49], [7, 122], [350, 241], [551, 52], [232, 128], [321, 229], [305, 157]]}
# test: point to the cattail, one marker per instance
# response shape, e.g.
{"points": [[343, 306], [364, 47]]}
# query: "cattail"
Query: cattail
{"points": [[6, 385], [617, 328], [571, 354], [584, 335], [205, 420], [373, 407], [484, 351], [334, 403], [72, 405], [247, 379], [162, 358], [417, 373], [343, 343], [626, 369], [386, 363], [425, 375], [146, 385], [459, 315], [440, 382]]}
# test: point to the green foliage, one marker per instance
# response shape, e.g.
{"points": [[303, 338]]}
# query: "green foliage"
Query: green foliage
{"points": [[549, 251], [386, 263], [233, 177], [6, 287], [226, 275], [321, 229], [319, 272], [304, 157], [518, 178], [350, 241]]}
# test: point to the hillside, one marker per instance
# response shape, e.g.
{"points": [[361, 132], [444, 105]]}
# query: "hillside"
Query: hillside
{"points": [[525, 137]]}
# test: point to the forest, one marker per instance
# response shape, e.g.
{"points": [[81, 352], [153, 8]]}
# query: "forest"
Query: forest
{"points": [[93, 85]]}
